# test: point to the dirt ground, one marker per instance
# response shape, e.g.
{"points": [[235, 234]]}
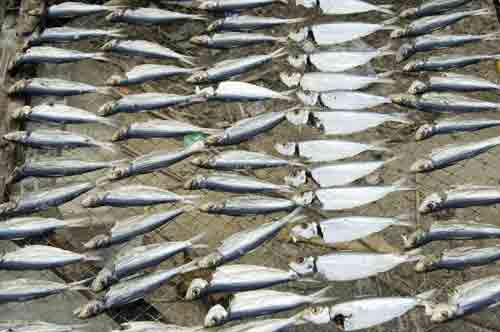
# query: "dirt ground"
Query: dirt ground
{"points": [[279, 252]]}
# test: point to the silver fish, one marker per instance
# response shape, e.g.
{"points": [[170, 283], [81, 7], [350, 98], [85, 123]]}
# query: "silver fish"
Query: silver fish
{"points": [[432, 7], [346, 7], [237, 278], [242, 91], [468, 298], [349, 197], [345, 122], [324, 82], [451, 154], [59, 113], [154, 326], [344, 229], [445, 62], [56, 167], [345, 266], [55, 139], [427, 25], [133, 260], [241, 159], [241, 243], [229, 68], [160, 129], [149, 16], [39, 326], [338, 60], [54, 87], [327, 150], [453, 82], [125, 230], [74, 9], [131, 290], [444, 102], [451, 230], [43, 200], [234, 183], [261, 302], [460, 197], [226, 5], [459, 258], [22, 289], [38, 257], [225, 40], [153, 161], [250, 22], [148, 72], [144, 48], [454, 125], [148, 101], [134, 195], [69, 34], [19, 228], [351, 100]]}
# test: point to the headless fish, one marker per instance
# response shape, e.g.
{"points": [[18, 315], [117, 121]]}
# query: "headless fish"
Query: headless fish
{"points": [[149, 16], [39, 326], [346, 7], [242, 91], [454, 125], [459, 258], [148, 72], [54, 87], [250, 22], [432, 7], [75, 9], [444, 103], [445, 62], [226, 5], [344, 100], [225, 40], [453, 82], [22, 289], [69, 34], [25, 227]]}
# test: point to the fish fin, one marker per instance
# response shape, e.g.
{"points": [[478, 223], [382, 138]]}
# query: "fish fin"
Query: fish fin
{"points": [[279, 53], [117, 33], [389, 24], [290, 80], [101, 57], [318, 297], [387, 9]]}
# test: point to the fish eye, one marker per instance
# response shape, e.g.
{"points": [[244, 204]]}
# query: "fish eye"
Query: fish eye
{"points": [[303, 226], [301, 260]]}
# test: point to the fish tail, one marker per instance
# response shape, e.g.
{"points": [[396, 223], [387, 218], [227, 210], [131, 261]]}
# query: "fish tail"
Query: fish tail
{"points": [[297, 20], [81, 284], [279, 53], [188, 267], [482, 11], [117, 33], [319, 296], [100, 57], [297, 163], [386, 49], [295, 216], [310, 280], [389, 24], [187, 59], [16, 176], [387, 9], [92, 258], [287, 95], [190, 199]]}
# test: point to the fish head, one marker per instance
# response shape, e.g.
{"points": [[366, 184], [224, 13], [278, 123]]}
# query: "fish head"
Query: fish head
{"points": [[103, 279], [90, 309], [425, 131], [210, 260], [195, 182], [18, 87], [431, 203], [404, 52], [290, 79], [212, 140], [208, 5], [427, 263], [107, 109], [211, 207], [304, 231], [109, 45], [316, 315], [303, 266], [91, 200], [196, 289], [421, 165], [408, 13], [215, 25], [15, 136], [117, 173], [198, 77], [411, 66], [15, 60], [417, 87], [297, 61], [114, 80], [202, 161], [21, 113], [216, 316], [414, 239], [115, 15], [403, 99], [442, 312], [200, 40], [120, 134], [97, 241], [398, 33], [342, 318]]}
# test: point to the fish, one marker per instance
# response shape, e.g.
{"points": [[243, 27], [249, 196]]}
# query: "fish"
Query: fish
{"points": [[452, 82], [234, 183], [351, 100], [55, 139], [242, 91], [325, 82], [427, 25], [460, 197], [59, 113], [145, 49], [148, 72], [444, 103], [149, 16], [245, 205], [154, 326], [147, 101], [246, 129], [53, 55], [459, 258], [256, 303], [347, 122], [465, 299], [125, 230], [451, 154], [131, 261], [349, 197], [238, 278], [233, 67], [250, 22], [325, 34], [71, 34], [451, 230], [56, 167], [160, 129], [243, 242], [74, 9], [454, 125], [327, 150], [345, 265], [341, 60], [344, 229], [227, 40], [25, 227], [134, 195], [43, 200], [359, 314], [131, 290], [433, 7], [153, 161], [226, 5], [446, 62], [39, 257], [40, 86], [432, 42], [346, 7], [23, 289], [230, 160], [39, 326]]}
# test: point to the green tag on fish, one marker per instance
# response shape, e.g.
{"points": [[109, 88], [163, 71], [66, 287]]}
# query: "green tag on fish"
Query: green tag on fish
{"points": [[193, 138]]}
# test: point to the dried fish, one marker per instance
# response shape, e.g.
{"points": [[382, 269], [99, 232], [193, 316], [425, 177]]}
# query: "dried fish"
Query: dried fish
{"points": [[459, 258], [149, 16], [241, 159], [226, 5], [454, 125], [39, 86], [351, 100], [69, 34], [74, 9], [38, 326], [324, 82], [453, 82], [250, 22], [432, 7], [345, 7], [148, 72], [445, 62], [226, 40], [154, 326], [19, 228], [444, 102], [22, 289]]}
